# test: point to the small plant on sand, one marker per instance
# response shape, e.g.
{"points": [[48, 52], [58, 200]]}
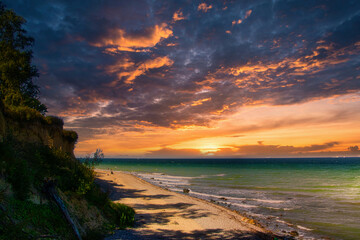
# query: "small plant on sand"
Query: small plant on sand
{"points": [[95, 160], [87, 175], [121, 214]]}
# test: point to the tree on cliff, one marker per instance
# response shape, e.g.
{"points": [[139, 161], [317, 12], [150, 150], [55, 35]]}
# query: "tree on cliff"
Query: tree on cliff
{"points": [[16, 71]]}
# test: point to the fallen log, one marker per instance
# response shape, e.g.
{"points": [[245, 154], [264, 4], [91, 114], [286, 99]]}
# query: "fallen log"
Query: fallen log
{"points": [[49, 188]]}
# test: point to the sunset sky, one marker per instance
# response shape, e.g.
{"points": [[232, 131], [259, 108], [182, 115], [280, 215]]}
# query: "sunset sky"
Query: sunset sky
{"points": [[245, 78]]}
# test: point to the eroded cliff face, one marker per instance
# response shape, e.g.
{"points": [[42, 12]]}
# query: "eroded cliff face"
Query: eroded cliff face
{"points": [[36, 130]]}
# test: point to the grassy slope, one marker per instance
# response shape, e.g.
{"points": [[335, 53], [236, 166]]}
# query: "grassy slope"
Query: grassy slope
{"points": [[25, 211]]}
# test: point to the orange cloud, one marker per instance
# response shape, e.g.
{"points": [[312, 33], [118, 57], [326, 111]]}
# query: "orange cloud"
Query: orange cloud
{"points": [[225, 108], [200, 102], [128, 70], [122, 41], [123, 63], [252, 74], [178, 15], [204, 7], [236, 22], [248, 13], [114, 50], [172, 44]]}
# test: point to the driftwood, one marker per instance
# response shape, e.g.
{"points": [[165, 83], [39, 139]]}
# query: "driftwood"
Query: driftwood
{"points": [[50, 189]]}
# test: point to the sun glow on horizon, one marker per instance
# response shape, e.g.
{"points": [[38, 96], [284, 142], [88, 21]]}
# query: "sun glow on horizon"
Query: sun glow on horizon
{"points": [[208, 149], [291, 126]]}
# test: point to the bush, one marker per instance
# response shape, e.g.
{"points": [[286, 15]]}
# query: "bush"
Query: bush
{"points": [[23, 113], [71, 136], [84, 178], [97, 197], [95, 160], [121, 214], [54, 120]]}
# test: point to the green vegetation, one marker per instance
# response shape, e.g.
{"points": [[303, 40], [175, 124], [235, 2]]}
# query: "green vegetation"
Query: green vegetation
{"points": [[54, 120], [16, 70], [119, 213], [27, 114], [39, 216], [23, 113], [26, 166]]}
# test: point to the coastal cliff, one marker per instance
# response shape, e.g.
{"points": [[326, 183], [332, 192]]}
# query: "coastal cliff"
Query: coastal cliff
{"points": [[44, 189], [28, 125]]}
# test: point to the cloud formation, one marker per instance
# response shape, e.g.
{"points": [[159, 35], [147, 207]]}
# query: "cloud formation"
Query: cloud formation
{"points": [[118, 40], [176, 65], [204, 7], [130, 71], [278, 150], [354, 149], [178, 15]]}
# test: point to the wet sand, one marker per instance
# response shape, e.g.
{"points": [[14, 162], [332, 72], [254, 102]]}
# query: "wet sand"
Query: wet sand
{"points": [[163, 214]]}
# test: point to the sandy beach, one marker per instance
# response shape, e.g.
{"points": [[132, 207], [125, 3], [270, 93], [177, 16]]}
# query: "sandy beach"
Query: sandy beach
{"points": [[163, 214]]}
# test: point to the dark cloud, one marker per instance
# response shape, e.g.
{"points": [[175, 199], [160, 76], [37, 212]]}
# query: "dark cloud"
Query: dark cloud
{"points": [[282, 52], [278, 150], [354, 149]]}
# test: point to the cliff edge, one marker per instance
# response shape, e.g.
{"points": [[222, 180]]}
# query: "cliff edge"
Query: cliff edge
{"points": [[28, 125]]}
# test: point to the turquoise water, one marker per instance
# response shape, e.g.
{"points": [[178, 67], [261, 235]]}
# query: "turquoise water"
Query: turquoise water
{"points": [[315, 197]]}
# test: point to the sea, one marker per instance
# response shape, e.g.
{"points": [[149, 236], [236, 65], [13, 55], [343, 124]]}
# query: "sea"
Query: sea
{"points": [[319, 198]]}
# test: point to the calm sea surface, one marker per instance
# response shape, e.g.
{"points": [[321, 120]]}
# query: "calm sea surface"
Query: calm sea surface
{"points": [[317, 197]]}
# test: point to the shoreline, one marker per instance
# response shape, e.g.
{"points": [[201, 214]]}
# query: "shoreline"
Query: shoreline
{"points": [[165, 214]]}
